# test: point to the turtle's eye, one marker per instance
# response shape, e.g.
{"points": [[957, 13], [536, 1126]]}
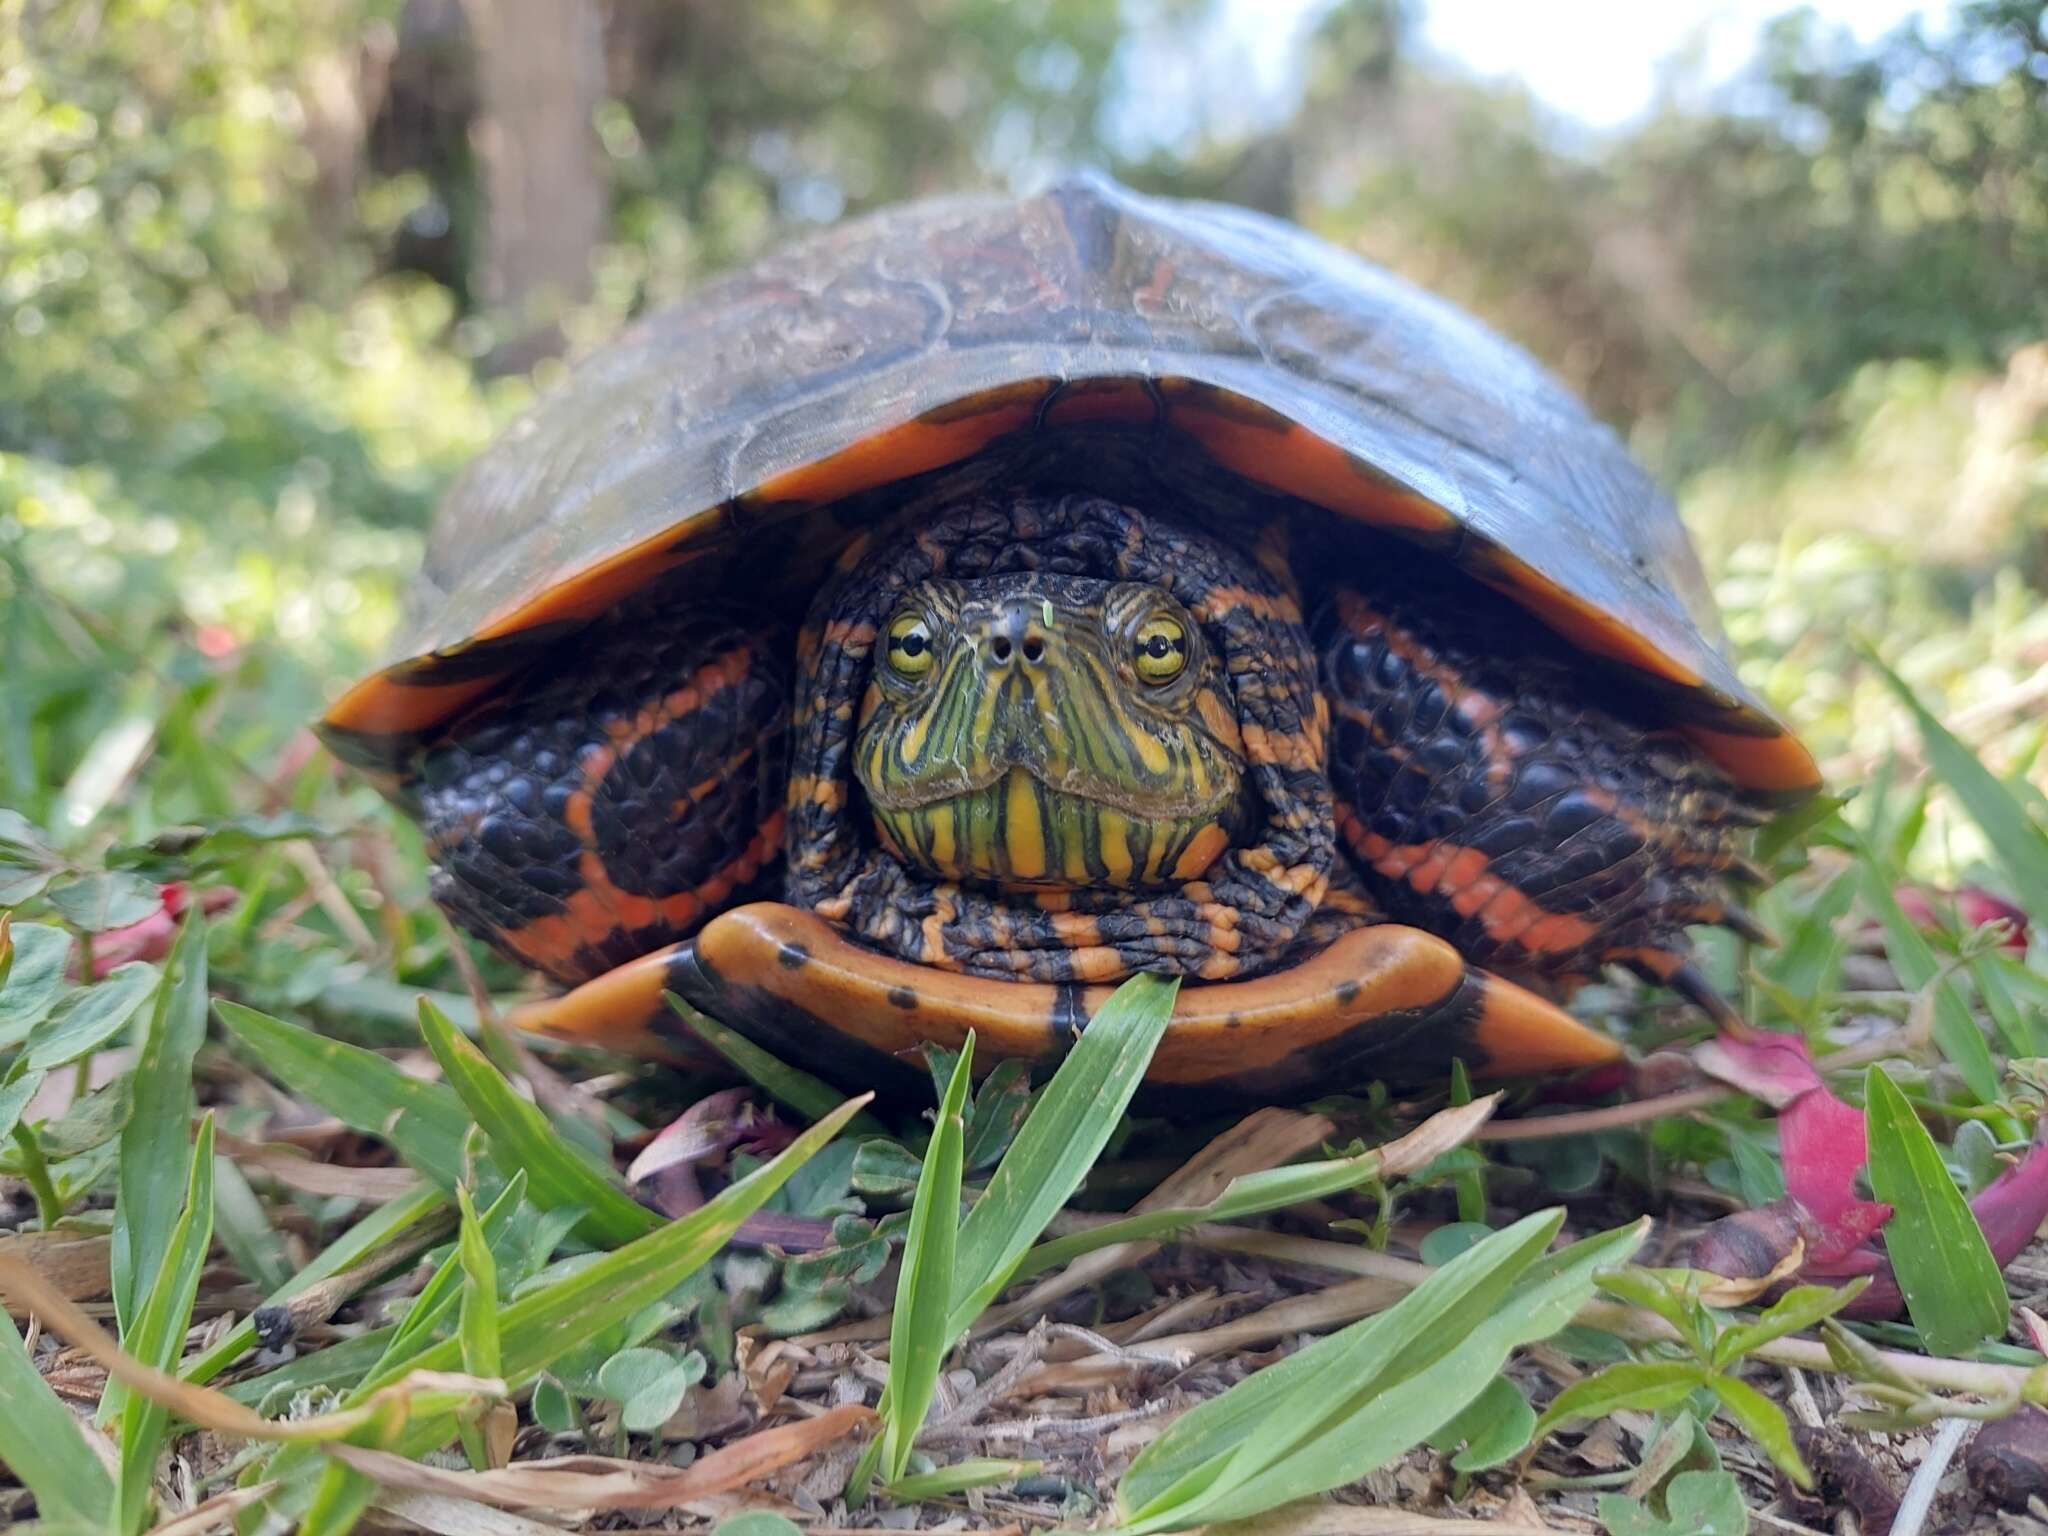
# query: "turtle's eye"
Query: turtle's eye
{"points": [[910, 644], [1162, 649]]}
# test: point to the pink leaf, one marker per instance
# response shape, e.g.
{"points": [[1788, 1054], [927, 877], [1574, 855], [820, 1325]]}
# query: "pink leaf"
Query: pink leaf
{"points": [[1825, 1146]]}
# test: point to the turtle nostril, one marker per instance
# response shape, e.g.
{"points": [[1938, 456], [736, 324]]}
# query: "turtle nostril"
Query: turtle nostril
{"points": [[1034, 649], [1000, 647]]}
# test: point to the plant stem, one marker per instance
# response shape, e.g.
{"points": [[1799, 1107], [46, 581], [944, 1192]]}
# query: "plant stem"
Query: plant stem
{"points": [[49, 1207], [1615, 1117]]}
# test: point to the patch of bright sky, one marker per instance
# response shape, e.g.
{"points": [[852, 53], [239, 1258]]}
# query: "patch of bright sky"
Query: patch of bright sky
{"points": [[1595, 63], [1599, 60]]}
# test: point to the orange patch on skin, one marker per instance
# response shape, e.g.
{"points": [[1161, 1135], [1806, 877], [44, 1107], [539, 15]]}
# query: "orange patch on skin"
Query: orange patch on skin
{"points": [[599, 907], [1220, 720], [1476, 895], [1218, 1032], [1202, 850], [1557, 931], [1274, 607], [1660, 963], [1508, 916]]}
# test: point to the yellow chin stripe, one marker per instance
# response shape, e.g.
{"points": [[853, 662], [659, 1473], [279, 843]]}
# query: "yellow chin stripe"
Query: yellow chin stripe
{"points": [[1017, 831]]}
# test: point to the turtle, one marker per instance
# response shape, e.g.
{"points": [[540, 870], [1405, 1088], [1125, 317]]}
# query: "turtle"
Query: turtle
{"points": [[981, 602]]}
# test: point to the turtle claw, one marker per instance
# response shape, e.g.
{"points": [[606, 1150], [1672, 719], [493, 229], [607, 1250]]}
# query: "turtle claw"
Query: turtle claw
{"points": [[1742, 921], [1691, 983]]}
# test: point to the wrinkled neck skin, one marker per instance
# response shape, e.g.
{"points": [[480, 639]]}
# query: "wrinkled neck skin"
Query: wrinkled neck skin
{"points": [[1050, 731]]}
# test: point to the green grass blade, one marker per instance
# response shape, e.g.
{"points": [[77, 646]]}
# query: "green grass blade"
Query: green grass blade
{"points": [[559, 1173], [1422, 1391], [339, 1500], [2016, 1028], [554, 1320], [809, 1096], [1251, 1194], [42, 1445], [244, 1228], [918, 1334], [381, 1227], [1951, 1281], [1298, 1392], [2018, 843], [1955, 1030], [1072, 1121], [947, 1482], [443, 1289], [155, 1143], [158, 1337], [478, 1327], [1765, 1423], [425, 1123]]}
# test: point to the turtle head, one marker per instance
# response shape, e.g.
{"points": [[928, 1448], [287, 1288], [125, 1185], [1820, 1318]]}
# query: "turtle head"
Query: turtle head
{"points": [[1044, 730]]}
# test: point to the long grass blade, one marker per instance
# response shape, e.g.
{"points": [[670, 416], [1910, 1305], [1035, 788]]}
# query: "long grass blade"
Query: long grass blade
{"points": [[1068, 1127], [1353, 1401], [155, 1142], [42, 1444], [1953, 1287], [809, 1096], [158, 1336], [1251, 1194], [424, 1123], [2017, 841], [559, 1172], [918, 1335]]}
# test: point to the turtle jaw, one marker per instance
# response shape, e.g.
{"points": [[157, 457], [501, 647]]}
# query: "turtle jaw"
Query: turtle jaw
{"points": [[1020, 831], [1046, 731]]}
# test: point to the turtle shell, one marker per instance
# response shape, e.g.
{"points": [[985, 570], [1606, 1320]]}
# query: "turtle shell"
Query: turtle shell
{"points": [[926, 335]]}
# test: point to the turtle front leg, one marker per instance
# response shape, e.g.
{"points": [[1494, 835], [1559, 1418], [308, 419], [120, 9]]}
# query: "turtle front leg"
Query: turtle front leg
{"points": [[1490, 799], [614, 806]]}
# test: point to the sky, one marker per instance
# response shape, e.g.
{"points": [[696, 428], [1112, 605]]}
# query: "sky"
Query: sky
{"points": [[1596, 62]]}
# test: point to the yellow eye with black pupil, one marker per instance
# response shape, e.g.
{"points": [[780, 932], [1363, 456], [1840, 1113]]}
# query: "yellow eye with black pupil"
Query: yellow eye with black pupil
{"points": [[1162, 649], [910, 645]]}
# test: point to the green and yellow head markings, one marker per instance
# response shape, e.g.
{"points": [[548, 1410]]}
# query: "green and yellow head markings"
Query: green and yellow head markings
{"points": [[1045, 730]]}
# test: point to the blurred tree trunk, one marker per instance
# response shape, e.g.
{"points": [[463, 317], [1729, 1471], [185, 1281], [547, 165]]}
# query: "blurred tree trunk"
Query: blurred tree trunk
{"points": [[540, 73]]}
